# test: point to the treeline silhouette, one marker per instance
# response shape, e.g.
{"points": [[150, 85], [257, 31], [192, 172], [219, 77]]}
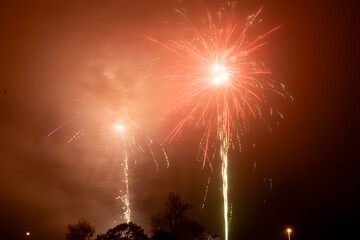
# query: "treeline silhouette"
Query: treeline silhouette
{"points": [[171, 224]]}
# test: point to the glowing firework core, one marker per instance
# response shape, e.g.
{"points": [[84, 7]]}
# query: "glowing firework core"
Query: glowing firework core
{"points": [[119, 127], [219, 74]]}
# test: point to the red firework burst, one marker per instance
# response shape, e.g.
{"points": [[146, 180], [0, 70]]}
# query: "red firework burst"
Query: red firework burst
{"points": [[221, 84]]}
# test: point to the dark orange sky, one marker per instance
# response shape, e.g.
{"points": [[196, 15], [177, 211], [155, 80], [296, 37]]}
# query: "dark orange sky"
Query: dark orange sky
{"points": [[80, 64]]}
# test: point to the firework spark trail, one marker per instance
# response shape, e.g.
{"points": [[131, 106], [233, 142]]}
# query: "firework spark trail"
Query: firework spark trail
{"points": [[166, 157], [127, 143], [205, 195], [126, 132], [62, 125], [126, 198], [224, 169], [59, 127], [153, 157], [76, 136], [221, 85]]}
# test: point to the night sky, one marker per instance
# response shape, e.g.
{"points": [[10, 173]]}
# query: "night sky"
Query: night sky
{"points": [[83, 64]]}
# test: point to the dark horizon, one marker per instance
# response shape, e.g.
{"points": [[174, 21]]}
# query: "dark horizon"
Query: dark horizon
{"points": [[73, 64]]}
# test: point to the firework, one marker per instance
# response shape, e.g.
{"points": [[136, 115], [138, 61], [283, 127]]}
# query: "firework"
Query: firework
{"points": [[128, 144], [120, 136], [222, 86], [120, 129]]}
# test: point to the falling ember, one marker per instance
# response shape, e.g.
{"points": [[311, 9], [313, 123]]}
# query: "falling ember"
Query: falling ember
{"points": [[221, 85]]}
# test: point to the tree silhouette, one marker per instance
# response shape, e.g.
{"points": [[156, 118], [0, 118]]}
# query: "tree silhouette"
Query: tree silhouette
{"points": [[124, 231], [162, 235], [174, 220], [83, 230], [191, 229]]}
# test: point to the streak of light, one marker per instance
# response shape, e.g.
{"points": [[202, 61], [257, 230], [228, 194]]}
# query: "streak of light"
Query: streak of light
{"points": [[59, 127], [224, 169], [76, 136], [205, 195], [166, 157]]}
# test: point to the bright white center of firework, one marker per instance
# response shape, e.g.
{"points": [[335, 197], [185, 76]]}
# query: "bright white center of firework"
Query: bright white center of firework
{"points": [[216, 68], [219, 74], [119, 127]]}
